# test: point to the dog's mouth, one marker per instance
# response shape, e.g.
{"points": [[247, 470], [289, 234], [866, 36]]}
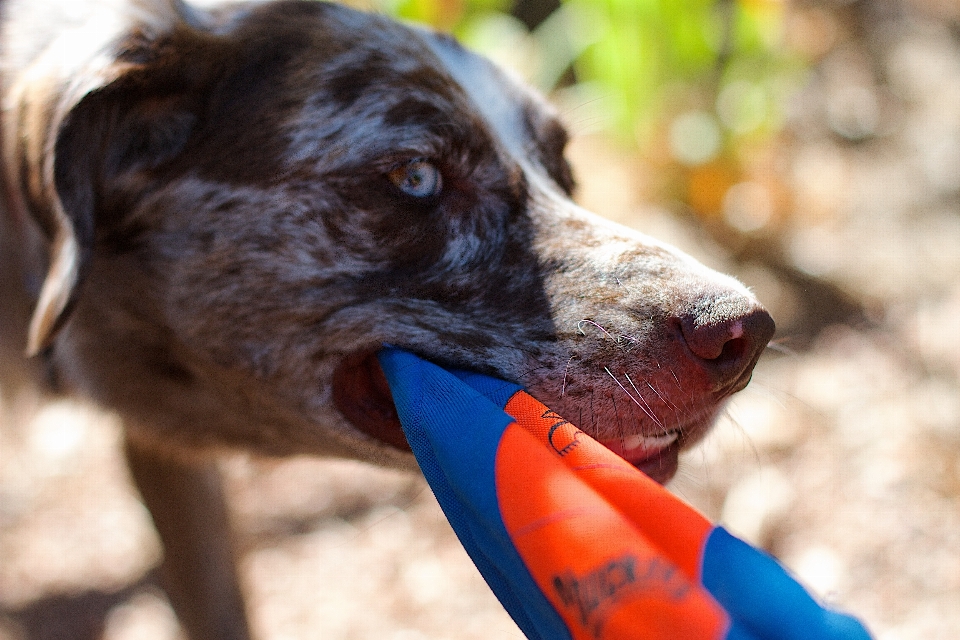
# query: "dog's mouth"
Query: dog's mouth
{"points": [[362, 395], [658, 456]]}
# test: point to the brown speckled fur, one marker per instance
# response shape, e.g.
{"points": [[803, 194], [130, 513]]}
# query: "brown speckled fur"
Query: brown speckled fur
{"points": [[220, 177]]}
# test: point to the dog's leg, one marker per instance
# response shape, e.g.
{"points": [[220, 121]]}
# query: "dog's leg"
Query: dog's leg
{"points": [[198, 572]]}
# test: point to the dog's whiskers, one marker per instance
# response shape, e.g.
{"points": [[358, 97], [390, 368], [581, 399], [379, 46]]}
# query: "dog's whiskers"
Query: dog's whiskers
{"points": [[686, 400], [780, 347], [663, 398], [635, 401], [645, 403], [591, 322], [566, 370]]}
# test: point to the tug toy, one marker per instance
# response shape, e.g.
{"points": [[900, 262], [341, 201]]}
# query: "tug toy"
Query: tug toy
{"points": [[575, 542]]}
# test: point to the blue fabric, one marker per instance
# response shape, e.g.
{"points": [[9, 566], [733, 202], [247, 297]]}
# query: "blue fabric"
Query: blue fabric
{"points": [[497, 391], [454, 422], [763, 599], [454, 432]]}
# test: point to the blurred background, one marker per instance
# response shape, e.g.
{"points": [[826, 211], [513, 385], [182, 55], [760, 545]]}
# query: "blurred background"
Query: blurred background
{"points": [[812, 148]]}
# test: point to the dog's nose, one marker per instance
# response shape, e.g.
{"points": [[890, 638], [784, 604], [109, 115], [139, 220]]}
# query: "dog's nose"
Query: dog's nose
{"points": [[726, 339]]}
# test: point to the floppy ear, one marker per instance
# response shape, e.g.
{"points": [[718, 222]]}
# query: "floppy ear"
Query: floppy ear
{"points": [[75, 126]]}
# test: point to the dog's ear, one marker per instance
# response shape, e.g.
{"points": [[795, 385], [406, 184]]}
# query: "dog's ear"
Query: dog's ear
{"points": [[76, 128]]}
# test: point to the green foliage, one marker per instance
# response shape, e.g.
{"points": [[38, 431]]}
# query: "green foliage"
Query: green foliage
{"points": [[653, 67], [444, 14]]}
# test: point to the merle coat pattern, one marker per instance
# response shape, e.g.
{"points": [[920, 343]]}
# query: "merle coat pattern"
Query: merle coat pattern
{"points": [[208, 226]]}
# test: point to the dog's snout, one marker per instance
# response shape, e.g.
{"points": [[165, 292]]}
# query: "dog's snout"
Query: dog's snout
{"points": [[726, 340]]}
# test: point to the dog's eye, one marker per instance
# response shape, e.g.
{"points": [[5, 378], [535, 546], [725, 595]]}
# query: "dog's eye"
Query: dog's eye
{"points": [[418, 178]]}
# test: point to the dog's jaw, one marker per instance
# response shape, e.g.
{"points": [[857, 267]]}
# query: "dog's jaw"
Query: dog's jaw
{"points": [[362, 395]]}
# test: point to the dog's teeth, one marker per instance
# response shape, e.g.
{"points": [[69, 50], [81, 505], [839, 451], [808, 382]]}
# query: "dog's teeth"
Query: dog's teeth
{"points": [[661, 441]]}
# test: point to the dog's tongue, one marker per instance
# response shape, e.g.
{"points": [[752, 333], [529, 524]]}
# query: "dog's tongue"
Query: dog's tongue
{"points": [[362, 395]]}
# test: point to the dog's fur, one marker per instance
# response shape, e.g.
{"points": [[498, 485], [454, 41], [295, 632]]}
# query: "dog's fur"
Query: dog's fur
{"points": [[199, 231]]}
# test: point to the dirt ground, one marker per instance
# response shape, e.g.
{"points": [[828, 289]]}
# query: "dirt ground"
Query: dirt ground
{"points": [[842, 457]]}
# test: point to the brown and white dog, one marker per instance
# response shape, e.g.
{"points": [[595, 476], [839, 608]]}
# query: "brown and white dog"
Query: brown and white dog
{"points": [[212, 219]]}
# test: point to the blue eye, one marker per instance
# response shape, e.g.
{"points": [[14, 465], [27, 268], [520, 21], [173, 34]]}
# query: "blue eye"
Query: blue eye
{"points": [[418, 178]]}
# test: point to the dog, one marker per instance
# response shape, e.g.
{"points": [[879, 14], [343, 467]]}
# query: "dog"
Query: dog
{"points": [[213, 218]]}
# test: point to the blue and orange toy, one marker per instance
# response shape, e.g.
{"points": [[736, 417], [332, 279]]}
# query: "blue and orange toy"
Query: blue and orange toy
{"points": [[577, 543]]}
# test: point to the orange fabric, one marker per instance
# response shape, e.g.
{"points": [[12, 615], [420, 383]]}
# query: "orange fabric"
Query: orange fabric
{"points": [[602, 574], [671, 525]]}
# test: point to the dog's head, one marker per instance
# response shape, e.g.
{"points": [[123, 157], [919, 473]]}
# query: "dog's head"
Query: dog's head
{"points": [[242, 207]]}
